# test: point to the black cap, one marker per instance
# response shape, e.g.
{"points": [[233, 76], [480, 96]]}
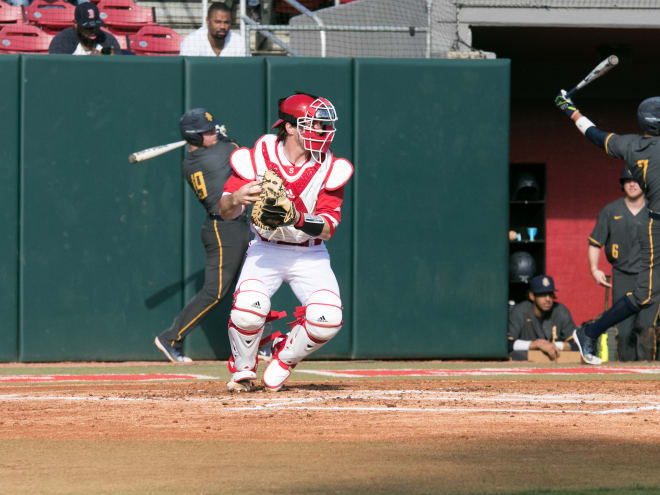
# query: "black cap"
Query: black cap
{"points": [[542, 284], [625, 175], [87, 15]]}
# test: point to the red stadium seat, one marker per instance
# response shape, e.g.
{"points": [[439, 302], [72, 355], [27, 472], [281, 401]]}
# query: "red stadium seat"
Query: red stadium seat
{"points": [[51, 15], [284, 8], [155, 40], [10, 14], [124, 16], [24, 38], [121, 38]]}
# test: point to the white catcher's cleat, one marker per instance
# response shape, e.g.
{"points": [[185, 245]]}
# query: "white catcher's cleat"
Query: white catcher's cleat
{"points": [[242, 381], [275, 374]]}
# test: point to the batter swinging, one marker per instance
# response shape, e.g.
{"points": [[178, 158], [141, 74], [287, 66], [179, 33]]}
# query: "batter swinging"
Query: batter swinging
{"points": [[641, 154]]}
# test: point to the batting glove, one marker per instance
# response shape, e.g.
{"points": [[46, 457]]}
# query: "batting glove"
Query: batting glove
{"points": [[565, 104]]}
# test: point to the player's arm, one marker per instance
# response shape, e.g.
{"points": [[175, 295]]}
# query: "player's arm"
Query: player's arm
{"points": [[313, 225], [237, 194], [566, 327], [584, 125], [327, 215], [593, 255], [517, 321]]}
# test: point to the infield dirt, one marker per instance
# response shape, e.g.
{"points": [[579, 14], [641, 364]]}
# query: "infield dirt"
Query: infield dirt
{"points": [[374, 436]]}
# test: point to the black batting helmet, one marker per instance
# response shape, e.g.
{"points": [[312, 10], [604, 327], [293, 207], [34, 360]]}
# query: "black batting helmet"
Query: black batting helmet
{"points": [[648, 116], [194, 123], [522, 267], [526, 188], [626, 175]]}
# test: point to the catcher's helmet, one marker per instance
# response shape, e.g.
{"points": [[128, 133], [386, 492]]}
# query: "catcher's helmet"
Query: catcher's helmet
{"points": [[648, 116], [522, 266], [527, 188], [194, 123], [314, 117]]}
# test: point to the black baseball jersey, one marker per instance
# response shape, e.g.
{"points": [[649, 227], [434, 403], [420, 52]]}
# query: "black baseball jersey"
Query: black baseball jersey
{"points": [[618, 230], [642, 157], [225, 241], [556, 326], [207, 170]]}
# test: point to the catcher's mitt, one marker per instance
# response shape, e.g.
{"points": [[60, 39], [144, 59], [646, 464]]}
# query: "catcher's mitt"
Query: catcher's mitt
{"points": [[273, 209]]}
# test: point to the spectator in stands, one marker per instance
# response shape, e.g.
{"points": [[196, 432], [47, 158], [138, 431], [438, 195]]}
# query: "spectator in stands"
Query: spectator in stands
{"points": [[85, 36], [540, 323], [215, 39]]}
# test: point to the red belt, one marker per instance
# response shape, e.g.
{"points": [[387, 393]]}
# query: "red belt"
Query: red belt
{"points": [[311, 242]]}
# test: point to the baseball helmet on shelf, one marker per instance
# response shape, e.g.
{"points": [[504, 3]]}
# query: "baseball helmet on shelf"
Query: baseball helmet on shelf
{"points": [[527, 188], [305, 111], [522, 267], [196, 122], [648, 115]]}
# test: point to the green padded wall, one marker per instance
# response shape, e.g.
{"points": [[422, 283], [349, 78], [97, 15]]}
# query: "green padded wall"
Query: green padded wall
{"points": [[209, 84], [431, 208], [110, 251], [9, 211], [101, 237]]}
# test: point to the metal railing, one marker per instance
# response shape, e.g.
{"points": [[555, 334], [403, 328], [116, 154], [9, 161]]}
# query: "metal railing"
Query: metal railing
{"points": [[248, 25]]}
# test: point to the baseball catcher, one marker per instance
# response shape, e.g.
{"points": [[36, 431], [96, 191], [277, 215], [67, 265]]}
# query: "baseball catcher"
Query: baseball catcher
{"points": [[297, 207]]}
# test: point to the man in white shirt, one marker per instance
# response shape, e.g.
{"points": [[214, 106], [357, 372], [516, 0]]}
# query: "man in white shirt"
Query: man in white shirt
{"points": [[215, 39]]}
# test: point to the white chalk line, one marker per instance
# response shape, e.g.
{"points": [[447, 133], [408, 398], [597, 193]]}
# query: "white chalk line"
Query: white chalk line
{"points": [[409, 372], [638, 404], [10, 379]]}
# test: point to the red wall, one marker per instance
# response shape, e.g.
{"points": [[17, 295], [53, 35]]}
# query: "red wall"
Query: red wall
{"points": [[581, 179]]}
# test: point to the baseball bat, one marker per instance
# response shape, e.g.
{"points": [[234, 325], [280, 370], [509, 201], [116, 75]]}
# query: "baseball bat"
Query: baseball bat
{"points": [[602, 68], [142, 155]]}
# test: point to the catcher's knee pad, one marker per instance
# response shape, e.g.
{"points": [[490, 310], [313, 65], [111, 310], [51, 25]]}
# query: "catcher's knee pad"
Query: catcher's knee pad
{"points": [[323, 315], [246, 324], [251, 306], [322, 320]]}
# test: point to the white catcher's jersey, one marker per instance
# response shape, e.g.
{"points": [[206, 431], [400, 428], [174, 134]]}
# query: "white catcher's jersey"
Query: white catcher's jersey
{"points": [[306, 185]]}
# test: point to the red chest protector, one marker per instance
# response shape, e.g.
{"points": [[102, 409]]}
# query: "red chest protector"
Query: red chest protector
{"points": [[293, 188]]}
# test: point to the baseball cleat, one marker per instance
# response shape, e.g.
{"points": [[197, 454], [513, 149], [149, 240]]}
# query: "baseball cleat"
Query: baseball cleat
{"points": [[238, 387], [242, 381], [170, 352], [275, 374], [587, 346]]}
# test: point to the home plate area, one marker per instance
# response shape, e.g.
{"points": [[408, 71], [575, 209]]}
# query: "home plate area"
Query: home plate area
{"points": [[386, 391]]}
